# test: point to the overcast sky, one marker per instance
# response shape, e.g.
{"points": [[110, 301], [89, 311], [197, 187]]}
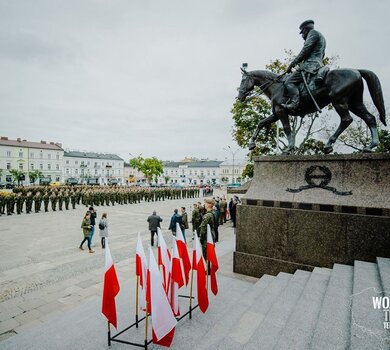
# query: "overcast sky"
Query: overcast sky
{"points": [[160, 77]]}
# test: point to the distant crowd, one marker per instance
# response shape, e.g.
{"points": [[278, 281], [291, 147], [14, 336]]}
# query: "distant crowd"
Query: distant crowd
{"points": [[39, 198]]}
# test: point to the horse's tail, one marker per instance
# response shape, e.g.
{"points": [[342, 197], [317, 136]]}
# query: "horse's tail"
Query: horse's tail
{"points": [[375, 88]]}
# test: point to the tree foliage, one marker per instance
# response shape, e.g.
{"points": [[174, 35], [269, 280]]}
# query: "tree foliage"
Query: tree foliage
{"points": [[18, 175], [34, 175], [151, 167]]}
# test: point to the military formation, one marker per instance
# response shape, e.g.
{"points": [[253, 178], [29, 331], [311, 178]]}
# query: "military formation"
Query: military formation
{"points": [[44, 198]]}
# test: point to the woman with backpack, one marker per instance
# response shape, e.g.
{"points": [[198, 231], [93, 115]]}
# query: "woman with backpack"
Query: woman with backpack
{"points": [[103, 229], [86, 226]]}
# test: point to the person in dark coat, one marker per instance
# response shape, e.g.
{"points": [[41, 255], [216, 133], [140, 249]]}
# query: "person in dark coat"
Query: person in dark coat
{"points": [[154, 222], [175, 219], [233, 212]]}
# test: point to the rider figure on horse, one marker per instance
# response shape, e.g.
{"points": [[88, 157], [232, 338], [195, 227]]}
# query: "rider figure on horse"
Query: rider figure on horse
{"points": [[311, 56]]}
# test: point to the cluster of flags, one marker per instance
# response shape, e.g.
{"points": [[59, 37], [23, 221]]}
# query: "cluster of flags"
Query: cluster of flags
{"points": [[161, 280]]}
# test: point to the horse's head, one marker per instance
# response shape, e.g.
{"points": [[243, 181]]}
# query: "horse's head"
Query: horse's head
{"points": [[246, 86]]}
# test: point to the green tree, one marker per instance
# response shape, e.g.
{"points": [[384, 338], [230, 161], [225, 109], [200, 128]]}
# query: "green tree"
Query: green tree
{"points": [[151, 167], [358, 136], [166, 178], [18, 175], [34, 175]]}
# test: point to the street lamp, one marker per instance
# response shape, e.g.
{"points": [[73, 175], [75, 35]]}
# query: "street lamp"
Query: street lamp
{"points": [[233, 155]]}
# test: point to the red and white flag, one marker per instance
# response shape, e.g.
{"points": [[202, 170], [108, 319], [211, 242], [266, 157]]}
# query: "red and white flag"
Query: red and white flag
{"points": [[199, 266], [141, 268], [164, 260], [163, 319], [110, 289], [212, 259], [183, 253], [177, 278]]}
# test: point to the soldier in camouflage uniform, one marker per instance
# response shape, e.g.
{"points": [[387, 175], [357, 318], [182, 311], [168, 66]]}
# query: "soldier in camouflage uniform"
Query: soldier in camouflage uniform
{"points": [[60, 198], [208, 219], [37, 202], [29, 202], [2, 203], [66, 200], [19, 203], [10, 203], [73, 199], [53, 200], [46, 200]]}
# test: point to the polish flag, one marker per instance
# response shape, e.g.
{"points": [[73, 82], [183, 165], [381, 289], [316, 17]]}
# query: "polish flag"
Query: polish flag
{"points": [[177, 278], [141, 268], [199, 266], [163, 319], [110, 288], [183, 252], [212, 259], [164, 260]]}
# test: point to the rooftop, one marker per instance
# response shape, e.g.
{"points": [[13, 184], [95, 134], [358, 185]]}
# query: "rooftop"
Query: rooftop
{"points": [[78, 154], [4, 141]]}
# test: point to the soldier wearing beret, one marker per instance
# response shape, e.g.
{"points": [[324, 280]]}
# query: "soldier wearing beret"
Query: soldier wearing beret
{"points": [[311, 59]]}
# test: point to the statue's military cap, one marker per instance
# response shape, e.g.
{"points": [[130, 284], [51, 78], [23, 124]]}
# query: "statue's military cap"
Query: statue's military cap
{"points": [[305, 24]]}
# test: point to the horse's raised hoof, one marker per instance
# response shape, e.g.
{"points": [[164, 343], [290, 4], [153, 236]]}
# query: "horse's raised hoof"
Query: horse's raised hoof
{"points": [[366, 150], [328, 149], [252, 146]]}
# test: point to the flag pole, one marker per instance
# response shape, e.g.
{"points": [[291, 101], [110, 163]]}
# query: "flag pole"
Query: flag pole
{"points": [[207, 275], [191, 283], [109, 333], [136, 304], [146, 326]]}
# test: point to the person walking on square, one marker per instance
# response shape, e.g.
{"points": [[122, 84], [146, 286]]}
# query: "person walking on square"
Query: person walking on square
{"points": [[223, 204], [184, 226], [93, 222], [103, 229], [154, 222], [175, 219], [86, 226]]}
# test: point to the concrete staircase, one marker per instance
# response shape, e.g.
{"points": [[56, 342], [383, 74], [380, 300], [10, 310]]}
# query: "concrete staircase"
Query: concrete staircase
{"points": [[326, 309]]}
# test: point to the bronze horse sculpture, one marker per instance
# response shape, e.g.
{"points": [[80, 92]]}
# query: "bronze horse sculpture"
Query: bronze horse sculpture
{"points": [[343, 88]]}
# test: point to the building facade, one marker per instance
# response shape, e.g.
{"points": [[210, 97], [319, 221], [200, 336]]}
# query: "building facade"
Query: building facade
{"points": [[200, 172], [231, 172], [132, 176], [89, 167], [28, 156]]}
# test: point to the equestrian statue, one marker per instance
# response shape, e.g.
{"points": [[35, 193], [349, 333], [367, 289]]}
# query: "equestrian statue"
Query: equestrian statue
{"points": [[311, 87]]}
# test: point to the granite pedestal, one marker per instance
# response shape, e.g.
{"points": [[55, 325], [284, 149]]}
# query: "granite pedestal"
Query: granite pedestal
{"points": [[307, 211]]}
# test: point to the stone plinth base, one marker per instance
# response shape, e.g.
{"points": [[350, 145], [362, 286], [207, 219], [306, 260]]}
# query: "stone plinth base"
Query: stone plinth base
{"points": [[313, 211]]}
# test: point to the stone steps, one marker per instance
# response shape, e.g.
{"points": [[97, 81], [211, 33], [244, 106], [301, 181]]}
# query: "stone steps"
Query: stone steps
{"points": [[300, 326], [333, 325], [327, 309], [367, 331], [268, 332]]}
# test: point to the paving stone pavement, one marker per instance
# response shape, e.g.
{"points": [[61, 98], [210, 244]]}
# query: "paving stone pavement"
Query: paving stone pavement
{"points": [[44, 276]]}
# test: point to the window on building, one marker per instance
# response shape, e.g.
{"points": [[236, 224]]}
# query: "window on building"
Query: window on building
{"points": [[67, 162], [88, 163], [76, 171], [32, 166], [96, 171], [95, 165], [196, 172], [190, 172], [208, 172], [49, 156], [41, 155], [32, 155], [20, 166], [82, 171], [67, 171], [20, 154], [49, 166], [41, 166], [82, 162], [76, 162], [9, 154], [57, 156], [213, 172], [119, 172], [57, 167], [8, 166]]}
